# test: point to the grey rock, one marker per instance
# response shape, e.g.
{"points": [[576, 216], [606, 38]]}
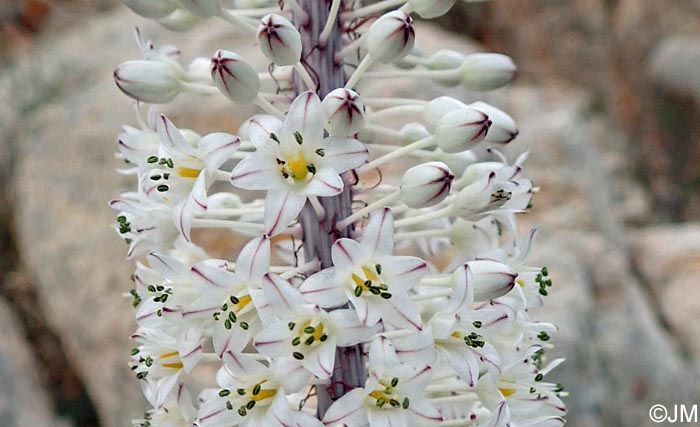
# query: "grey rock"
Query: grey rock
{"points": [[23, 402], [65, 142], [675, 64]]}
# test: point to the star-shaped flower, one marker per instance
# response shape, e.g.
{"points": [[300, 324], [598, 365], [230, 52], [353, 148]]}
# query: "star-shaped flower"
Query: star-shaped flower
{"points": [[293, 161]]}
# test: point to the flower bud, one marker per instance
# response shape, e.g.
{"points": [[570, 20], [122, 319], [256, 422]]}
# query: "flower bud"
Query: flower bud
{"points": [[486, 71], [151, 8], [461, 130], [491, 279], [413, 132], [279, 40], [148, 81], [343, 112], [503, 128], [391, 37], [428, 9], [438, 107], [445, 59], [426, 185], [234, 77], [201, 8], [179, 20], [458, 162]]}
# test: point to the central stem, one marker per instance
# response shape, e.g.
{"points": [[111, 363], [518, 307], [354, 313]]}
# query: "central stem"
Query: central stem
{"points": [[319, 233]]}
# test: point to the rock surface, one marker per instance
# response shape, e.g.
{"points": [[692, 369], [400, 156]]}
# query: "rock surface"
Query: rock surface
{"points": [[65, 175], [23, 403]]}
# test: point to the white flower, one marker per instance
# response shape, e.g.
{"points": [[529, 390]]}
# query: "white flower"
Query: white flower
{"points": [[230, 297], [176, 411], [306, 332], [252, 394], [365, 273], [392, 396], [294, 161], [486, 71]]}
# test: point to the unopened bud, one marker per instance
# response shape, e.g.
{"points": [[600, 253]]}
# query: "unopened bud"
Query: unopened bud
{"points": [[503, 128], [151, 8], [279, 40], [234, 77], [491, 279], [201, 8], [148, 81], [343, 112], [461, 130], [179, 20], [486, 71], [391, 37], [445, 59], [426, 185], [438, 107], [428, 9], [413, 132]]}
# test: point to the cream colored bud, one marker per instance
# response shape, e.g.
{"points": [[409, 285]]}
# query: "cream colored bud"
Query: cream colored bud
{"points": [[148, 81], [503, 128], [391, 37], [343, 113], [486, 71], [426, 185], [179, 20], [492, 279], [461, 130], [413, 132], [438, 107], [151, 8], [279, 40], [234, 77], [445, 59], [429, 9], [202, 8]]}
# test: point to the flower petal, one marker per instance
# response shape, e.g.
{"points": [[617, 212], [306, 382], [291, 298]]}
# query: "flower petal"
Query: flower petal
{"points": [[323, 289], [386, 418], [425, 414], [347, 254], [171, 139], [217, 148], [325, 183], [305, 117], [281, 208], [351, 330], [169, 267], [274, 340], [258, 130], [281, 295], [463, 362], [254, 259], [257, 171], [208, 278], [378, 236], [403, 272], [401, 312], [343, 154], [321, 362], [348, 410]]}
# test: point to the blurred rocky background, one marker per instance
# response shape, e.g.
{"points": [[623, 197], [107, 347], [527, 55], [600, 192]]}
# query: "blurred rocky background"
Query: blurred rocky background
{"points": [[608, 100]]}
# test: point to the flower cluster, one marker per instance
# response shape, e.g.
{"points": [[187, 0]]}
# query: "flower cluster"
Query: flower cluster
{"points": [[380, 229]]}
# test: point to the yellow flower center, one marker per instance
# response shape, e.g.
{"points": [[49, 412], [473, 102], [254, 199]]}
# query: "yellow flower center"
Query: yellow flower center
{"points": [[371, 282], [507, 392], [172, 364], [188, 172]]}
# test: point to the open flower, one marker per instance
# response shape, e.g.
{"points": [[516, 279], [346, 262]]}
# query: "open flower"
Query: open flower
{"points": [[306, 332], [376, 282], [392, 396], [252, 394], [293, 161]]}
